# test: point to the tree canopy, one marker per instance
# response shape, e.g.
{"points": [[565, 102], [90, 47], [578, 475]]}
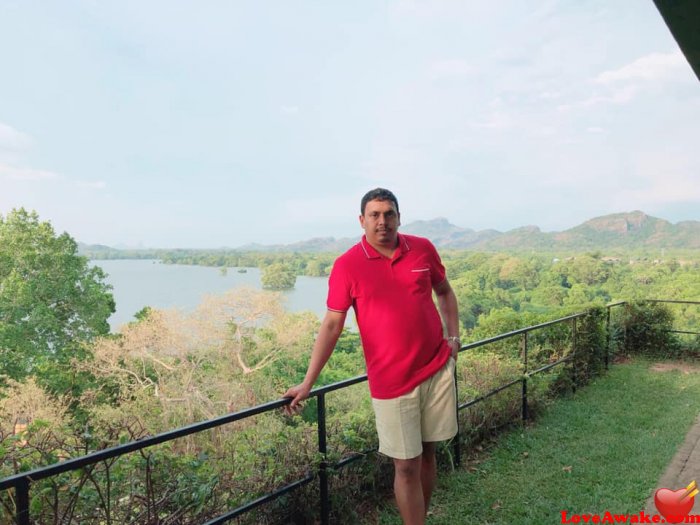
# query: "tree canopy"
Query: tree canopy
{"points": [[51, 301], [278, 276]]}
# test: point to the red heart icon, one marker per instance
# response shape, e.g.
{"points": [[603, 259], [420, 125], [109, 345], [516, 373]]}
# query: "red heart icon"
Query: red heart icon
{"points": [[674, 505]]}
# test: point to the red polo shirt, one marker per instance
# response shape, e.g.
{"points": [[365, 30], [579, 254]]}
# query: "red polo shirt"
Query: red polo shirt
{"points": [[400, 326]]}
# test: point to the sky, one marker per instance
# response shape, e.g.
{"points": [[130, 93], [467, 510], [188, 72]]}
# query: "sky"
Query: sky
{"points": [[219, 123]]}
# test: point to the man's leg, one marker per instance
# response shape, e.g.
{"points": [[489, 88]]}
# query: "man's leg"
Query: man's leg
{"points": [[399, 429], [402, 428], [439, 423], [428, 473], [414, 481], [408, 490]]}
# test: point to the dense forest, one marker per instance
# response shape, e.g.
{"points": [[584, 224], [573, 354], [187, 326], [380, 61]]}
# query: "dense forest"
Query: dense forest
{"points": [[491, 285], [68, 386]]}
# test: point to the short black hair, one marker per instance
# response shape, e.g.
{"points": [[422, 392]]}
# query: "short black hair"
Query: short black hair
{"points": [[378, 194]]}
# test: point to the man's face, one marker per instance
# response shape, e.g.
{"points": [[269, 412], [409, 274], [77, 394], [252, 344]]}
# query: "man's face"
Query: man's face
{"points": [[381, 222]]}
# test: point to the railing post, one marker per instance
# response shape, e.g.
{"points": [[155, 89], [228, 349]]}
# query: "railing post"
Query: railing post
{"points": [[524, 393], [457, 449], [22, 494], [608, 339], [573, 355], [323, 466]]}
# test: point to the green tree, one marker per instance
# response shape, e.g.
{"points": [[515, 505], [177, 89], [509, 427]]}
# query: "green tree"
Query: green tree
{"points": [[278, 276], [318, 268], [588, 270], [51, 301], [519, 272]]}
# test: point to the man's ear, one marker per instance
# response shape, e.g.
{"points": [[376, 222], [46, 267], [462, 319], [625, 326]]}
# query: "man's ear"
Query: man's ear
{"points": [[398, 215], [362, 221]]}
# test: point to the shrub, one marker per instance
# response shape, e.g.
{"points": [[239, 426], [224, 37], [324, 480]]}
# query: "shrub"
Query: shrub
{"points": [[645, 329]]}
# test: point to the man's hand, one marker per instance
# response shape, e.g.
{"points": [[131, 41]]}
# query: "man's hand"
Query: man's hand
{"points": [[454, 346], [298, 394], [447, 304], [327, 337]]}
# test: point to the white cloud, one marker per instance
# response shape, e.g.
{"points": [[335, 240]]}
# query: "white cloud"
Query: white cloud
{"points": [[290, 110], [663, 177], [93, 185], [675, 189], [450, 68], [595, 129], [543, 130], [25, 174], [621, 86], [460, 143], [497, 121], [653, 67], [12, 139], [617, 95], [550, 95]]}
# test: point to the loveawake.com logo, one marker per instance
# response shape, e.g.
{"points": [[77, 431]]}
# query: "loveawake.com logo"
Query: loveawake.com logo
{"points": [[674, 506]]}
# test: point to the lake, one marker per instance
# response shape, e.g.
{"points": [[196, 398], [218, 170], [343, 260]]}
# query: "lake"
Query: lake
{"points": [[139, 283]]}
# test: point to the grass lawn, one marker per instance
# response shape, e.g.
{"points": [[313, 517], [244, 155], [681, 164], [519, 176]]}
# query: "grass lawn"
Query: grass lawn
{"points": [[603, 448]]}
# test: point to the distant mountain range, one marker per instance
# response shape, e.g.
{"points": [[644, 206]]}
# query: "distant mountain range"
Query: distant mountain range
{"points": [[633, 230]]}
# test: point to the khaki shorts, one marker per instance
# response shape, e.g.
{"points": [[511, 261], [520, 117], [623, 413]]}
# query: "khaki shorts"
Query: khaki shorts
{"points": [[428, 413]]}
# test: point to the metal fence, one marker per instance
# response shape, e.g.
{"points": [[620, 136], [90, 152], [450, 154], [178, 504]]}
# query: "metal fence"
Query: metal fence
{"points": [[669, 301], [21, 483]]}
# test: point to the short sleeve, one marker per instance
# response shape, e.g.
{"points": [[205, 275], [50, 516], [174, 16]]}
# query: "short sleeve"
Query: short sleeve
{"points": [[339, 296], [437, 269]]}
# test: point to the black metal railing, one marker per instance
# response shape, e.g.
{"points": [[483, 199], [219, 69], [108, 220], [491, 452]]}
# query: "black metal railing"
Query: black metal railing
{"points": [[526, 374], [670, 301], [21, 483]]}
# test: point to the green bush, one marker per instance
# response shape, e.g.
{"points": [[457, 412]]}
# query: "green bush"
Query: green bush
{"points": [[591, 341], [477, 374], [645, 329]]}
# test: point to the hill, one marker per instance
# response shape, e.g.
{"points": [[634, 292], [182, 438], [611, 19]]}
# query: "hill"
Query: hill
{"points": [[631, 230]]}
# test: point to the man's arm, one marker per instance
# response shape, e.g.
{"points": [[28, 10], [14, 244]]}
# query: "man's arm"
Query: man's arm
{"points": [[331, 328], [447, 304]]}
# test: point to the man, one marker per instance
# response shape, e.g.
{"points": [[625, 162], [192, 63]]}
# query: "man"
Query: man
{"points": [[388, 279]]}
